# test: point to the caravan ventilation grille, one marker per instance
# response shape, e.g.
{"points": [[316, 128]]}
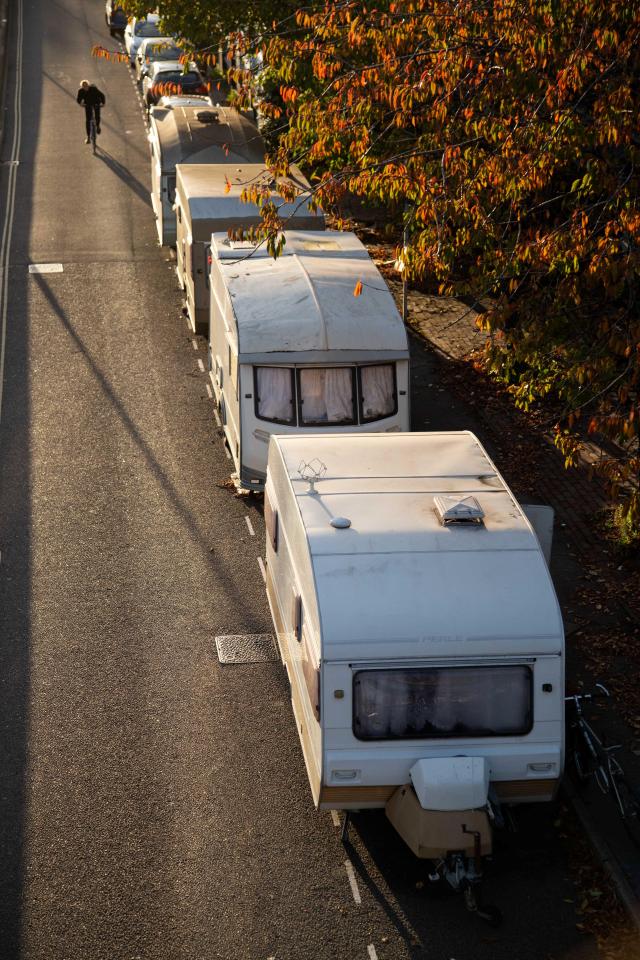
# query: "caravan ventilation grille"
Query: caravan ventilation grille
{"points": [[207, 116], [461, 511]]}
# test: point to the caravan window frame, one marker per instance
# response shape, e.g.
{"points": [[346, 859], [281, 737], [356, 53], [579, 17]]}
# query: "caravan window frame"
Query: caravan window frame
{"points": [[256, 401], [353, 422], [356, 374], [455, 733], [365, 366]]}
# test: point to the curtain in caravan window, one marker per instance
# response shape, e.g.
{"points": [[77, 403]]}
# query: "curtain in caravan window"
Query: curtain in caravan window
{"points": [[378, 391], [274, 394], [442, 702], [327, 395]]}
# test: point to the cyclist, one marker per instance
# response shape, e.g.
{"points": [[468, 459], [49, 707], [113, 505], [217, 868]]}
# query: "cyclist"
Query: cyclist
{"points": [[92, 99]]}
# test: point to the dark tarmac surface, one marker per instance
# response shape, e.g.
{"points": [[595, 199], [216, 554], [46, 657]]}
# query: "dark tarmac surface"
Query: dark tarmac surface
{"points": [[154, 804]]}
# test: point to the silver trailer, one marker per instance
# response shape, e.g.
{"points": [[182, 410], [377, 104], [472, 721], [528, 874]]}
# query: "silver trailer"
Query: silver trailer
{"points": [[209, 200], [292, 350], [194, 134]]}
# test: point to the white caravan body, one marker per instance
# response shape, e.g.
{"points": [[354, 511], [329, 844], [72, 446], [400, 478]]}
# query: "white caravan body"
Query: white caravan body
{"points": [[208, 200], [291, 348], [194, 134], [408, 638]]}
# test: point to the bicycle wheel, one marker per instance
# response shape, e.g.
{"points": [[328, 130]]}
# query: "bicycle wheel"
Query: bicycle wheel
{"points": [[583, 764], [628, 804]]}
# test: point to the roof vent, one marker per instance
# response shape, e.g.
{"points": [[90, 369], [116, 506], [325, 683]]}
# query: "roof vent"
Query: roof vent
{"points": [[340, 523], [462, 511], [207, 116]]}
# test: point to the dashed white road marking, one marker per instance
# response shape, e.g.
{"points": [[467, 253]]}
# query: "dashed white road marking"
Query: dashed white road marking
{"points": [[353, 883], [335, 818], [201, 364], [263, 572], [209, 392], [217, 416], [228, 453], [46, 268], [194, 344], [250, 526], [371, 950]]}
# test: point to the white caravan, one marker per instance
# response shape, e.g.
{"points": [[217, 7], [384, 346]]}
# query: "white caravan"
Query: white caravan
{"points": [[421, 633], [194, 134], [291, 348], [208, 200]]}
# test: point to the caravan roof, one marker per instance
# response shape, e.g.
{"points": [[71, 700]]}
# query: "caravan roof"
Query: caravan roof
{"points": [[205, 134], [213, 192], [397, 581], [304, 300]]}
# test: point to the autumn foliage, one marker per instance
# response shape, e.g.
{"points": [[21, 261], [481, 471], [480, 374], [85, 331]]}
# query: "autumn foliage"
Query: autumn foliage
{"points": [[505, 135]]}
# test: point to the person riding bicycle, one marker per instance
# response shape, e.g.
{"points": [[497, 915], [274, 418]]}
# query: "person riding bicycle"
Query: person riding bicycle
{"points": [[92, 99]]}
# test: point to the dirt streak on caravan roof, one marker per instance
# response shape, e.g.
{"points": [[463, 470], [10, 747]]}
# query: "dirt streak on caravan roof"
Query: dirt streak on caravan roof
{"points": [[304, 299], [397, 574]]}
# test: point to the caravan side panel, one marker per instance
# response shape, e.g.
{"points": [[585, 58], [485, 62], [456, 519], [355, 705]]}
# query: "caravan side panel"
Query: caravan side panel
{"points": [[291, 594]]}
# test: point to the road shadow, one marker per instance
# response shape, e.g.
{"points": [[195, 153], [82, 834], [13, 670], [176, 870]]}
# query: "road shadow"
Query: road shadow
{"points": [[124, 174], [174, 500], [16, 471]]}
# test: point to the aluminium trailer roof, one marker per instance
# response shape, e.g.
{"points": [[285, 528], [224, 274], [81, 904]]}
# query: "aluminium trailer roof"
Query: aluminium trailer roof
{"points": [[213, 192], [183, 138], [304, 301], [397, 582]]}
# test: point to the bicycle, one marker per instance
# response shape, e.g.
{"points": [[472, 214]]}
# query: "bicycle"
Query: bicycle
{"points": [[93, 129], [593, 759]]}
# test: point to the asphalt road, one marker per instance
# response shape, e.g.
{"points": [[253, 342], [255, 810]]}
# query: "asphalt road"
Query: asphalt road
{"points": [[154, 804]]}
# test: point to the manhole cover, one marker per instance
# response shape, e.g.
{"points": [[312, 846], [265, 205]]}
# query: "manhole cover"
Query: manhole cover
{"points": [[246, 648]]}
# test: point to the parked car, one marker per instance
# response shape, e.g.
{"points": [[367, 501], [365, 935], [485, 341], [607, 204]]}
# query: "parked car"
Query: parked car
{"points": [[116, 17], [169, 102], [154, 49], [165, 76], [137, 30]]}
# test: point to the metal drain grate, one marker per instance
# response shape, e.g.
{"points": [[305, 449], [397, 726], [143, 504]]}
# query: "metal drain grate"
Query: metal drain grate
{"points": [[246, 648]]}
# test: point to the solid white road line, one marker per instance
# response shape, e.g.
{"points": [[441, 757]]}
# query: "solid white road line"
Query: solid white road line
{"points": [[371, 950], [228, 453], [201, 364], [263, 572], [353, 883], [335, 818], [250, 526], [7, 228]]}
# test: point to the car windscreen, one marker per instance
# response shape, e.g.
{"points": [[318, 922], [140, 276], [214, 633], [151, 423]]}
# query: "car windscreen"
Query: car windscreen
{"points": [[161, 51], [430, 703], [145, 29]]}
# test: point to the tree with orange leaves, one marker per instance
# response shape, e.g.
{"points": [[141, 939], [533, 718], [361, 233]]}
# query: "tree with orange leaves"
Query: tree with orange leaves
{"points": [[504, 133]]}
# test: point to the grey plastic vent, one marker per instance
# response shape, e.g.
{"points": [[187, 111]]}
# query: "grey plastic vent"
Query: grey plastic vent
{"points": [[207, 116], [462, 511]]}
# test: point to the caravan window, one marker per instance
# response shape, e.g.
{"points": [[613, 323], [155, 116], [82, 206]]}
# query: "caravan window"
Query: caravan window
{"points": [[274, 394], [326, 395], [436, 703], [378, 394]]}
